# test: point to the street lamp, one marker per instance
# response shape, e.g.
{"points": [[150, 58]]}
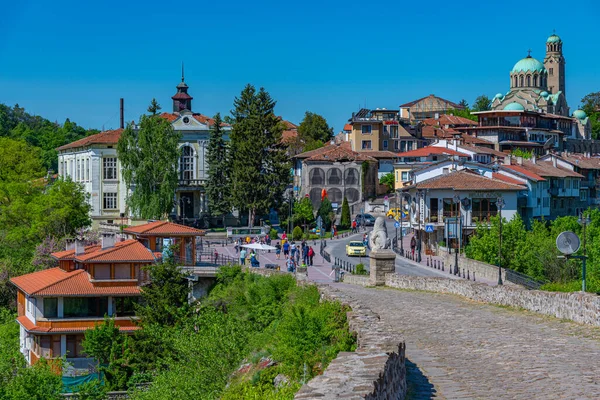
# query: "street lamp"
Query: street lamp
{"points": [[423, 197], [583, 220], [500, 205], [456, 228], [182, 201]]}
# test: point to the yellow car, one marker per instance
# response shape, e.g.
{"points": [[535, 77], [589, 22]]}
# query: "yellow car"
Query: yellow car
{"points": [[394, 213], [356, 248]]}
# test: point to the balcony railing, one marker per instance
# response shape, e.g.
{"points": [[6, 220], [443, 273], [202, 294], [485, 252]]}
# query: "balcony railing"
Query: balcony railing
{"points": [[207, 259], [192, 182], [482, 216]]}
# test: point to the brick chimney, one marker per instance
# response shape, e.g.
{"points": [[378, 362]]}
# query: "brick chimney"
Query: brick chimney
{"points": [[507, 159], [108, 240], [70, 244], [79, 247]]}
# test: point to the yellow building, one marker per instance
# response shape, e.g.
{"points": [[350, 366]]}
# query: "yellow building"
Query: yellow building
{"points": [[382, 130]]}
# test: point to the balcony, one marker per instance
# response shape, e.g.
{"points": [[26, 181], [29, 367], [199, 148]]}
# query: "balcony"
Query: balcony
{"points": [[77, 324], [588, 184], [192, 182], [553, 191]]}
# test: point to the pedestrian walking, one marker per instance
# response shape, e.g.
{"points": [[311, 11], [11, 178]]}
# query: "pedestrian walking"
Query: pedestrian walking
{"points": [[286, 249], [297, 254], [293, 251], [413, 244], [236, 247], [243, 256], [353, 226], [278, 250], [311, 254], [305, 255], [289, 262], [216, 255]]}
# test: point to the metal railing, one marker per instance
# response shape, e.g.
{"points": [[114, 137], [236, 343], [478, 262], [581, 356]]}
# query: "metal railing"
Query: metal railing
{"points": [[344, 265], [521, 279], [206, 258]]}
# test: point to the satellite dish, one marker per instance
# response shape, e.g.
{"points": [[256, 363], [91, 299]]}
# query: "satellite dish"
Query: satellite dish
{"points": [[568, 242]]}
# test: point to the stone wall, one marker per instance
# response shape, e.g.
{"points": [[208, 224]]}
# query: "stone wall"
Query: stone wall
{"points": [[481, 269], [578, 306], [376, 370], [361, 280]]}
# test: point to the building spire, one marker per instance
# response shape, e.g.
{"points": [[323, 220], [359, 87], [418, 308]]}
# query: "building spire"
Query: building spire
{"points": [[182, 72], [529, 53]]}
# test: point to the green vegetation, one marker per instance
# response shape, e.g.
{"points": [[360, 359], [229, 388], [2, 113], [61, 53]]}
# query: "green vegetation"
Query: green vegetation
{"points": [[361, 270], [217, 189], [522, 153], [297, 233], [388, 179], [533, 252], [345, 219], [591, 105], [148, 158], [482, 103], [314, 128], [325, 210], [260, 168], [304, 214]]}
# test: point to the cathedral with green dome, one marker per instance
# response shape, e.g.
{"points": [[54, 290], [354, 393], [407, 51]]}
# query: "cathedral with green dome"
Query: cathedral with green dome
{"points": [[537, 86]]}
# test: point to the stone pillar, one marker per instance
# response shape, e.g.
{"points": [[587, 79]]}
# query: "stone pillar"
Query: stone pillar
{"points": [[382, 262]]}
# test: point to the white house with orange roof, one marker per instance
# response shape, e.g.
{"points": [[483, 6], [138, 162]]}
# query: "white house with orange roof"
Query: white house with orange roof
{"points": [[93, 162]]}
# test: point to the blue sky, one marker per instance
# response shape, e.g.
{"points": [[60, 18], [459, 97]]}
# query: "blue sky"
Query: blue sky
{"points": [[76, 59]]}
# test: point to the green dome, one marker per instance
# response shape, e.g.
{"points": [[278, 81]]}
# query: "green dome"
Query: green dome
{"points": [[544, 94], [498, 96], [528, 64], [579, 114], [553, 39], [514, 107]]}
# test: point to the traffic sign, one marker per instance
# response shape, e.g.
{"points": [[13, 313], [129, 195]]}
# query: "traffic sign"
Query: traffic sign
{"points": [[396, 224], [429, 228]]}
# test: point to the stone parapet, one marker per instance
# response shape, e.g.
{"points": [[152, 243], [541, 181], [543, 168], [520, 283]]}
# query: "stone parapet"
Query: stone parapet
{"points": [[360, 280], [478, 269], [382, 262], [575, 306], [376, 370]]}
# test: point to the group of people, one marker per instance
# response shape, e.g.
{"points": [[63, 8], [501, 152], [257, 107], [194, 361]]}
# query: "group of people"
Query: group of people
{"points": [[253, 259], [355, 226]]}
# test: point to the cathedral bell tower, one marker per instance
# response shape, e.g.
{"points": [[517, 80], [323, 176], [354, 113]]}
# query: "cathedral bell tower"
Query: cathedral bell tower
{"points": [[182, 100], [554, 62]]}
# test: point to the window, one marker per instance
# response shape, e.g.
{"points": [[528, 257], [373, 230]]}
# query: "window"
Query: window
{"points": [[583, 195], [110, 201], [396, 145], [385, 144], [78, 176], [87, 169], [366, 129], [546, 202], [405, 176], [551, 71], [110, 168], [366, 145], [74, 348], [50, 307], [102, 271], [409, 146], [186, 163], [567, 184], [124, 306], [122, 271], [575, 183], [80, 307], [483, 209], [528, 80]]}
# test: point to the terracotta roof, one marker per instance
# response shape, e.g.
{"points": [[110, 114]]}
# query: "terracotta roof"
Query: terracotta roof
{"points": [[163, 228], [579, 160], [320, 150], [467, 180], [543, 169], [483, 150], [452, 104], [348, 127], [523, 171], [289, 135], [70, 254], [181, 95], [469, 139], [379, 153], [128, 251], [31, 327], [106, 137], [446, 119], [502, 177], [198, 117], [333, 153], [429, 150], [57, 282], [289, 125]]}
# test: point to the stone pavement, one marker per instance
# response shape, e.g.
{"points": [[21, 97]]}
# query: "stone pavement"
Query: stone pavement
{"points": [[458, 349]]}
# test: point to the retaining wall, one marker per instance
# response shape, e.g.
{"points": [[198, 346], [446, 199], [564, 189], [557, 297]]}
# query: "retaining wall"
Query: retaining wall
{"points": [[575, 306], [481, 269]]}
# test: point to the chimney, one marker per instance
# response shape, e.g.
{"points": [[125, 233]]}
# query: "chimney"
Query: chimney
{"points": [[122, 125], [533, 158], [520, 160], [108, 240], [437, 116], [79, 247], [507, 159], [554, 163], [70, 244]]}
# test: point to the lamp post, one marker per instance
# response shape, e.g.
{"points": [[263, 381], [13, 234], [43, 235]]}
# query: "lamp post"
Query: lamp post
{"points": [[583, 220], [401, 193], [500, 205], [181, 201], [422, 197], [456, 199]]}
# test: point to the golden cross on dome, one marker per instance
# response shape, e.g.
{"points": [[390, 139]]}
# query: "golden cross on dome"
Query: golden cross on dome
{"points": [[529, 53]]}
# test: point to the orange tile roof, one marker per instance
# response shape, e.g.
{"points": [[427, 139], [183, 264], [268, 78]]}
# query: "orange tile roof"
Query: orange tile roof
{"points": [[482, 150], [289, 135], [335, 152], [523, 171], [348, 127], [163, 228], [505, 178], [106, 137], [580, 160], [429, 150], [128, 251], [70, 254], [544, 169], [57, 282], [446, 119], [31, 327], [467, 180], [198, 117]]}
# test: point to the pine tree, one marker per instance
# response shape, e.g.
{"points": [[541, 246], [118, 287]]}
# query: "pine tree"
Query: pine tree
{"points": [[148, 158], [345, 218], [324, 210], [218, 182], [260, 166], [154, 107]]}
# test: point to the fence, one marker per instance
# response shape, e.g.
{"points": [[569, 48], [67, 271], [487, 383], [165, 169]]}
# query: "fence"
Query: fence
{"points": [[522, 279], [344, 265], [207, 258]]}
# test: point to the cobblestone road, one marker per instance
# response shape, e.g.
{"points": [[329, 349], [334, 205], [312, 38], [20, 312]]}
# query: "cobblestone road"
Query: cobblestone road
{"points": [[458, 349]]}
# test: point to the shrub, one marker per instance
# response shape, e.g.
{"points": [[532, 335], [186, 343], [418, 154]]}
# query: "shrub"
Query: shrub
{"points": [[297, 234], [273, 234], [361, 270]]}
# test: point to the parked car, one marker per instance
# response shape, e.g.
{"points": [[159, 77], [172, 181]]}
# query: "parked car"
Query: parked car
{"points": [[368, 219], [356, 248]]}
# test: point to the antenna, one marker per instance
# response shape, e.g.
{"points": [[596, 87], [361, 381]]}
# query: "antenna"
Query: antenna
{"points": [[568, 243], [182, 74]]}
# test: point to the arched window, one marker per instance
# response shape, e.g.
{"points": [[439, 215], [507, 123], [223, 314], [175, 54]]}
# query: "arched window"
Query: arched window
{"points": [[351, 177], [535, 80], [186, 163], [516, 81], [528, 80], [521, 80], [315, 197], [352, 195], [317, 176], [335, 195], [334, 176]]}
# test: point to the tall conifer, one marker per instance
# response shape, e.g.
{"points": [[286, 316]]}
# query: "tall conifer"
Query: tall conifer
{"points": [[218, 182]]}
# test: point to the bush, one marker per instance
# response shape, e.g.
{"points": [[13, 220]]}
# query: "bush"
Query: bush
{"points": [[273, 234], [297, 234], [361, 270]]}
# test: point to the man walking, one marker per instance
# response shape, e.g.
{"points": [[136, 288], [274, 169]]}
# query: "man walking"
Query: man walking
{"points": [[305, 255], [311, 254], [286, 249], [243, 256]]}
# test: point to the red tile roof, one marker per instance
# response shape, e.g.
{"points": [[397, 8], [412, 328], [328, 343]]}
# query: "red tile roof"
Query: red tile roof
{"points": [[483, 150], [543, 168], [31, 327], [336, 152], [505, 178], [429, 150], [348, 127], [163, 228], [579, 160], [106, 137], [128, 251], [523, 171], [379, 154], [198, 117], [446, 119], [70, 254], [467, 180], [412, 103], [57, 282]]}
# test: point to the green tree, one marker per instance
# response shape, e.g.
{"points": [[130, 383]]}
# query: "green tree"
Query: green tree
{"points": [[297, 233], [165, 299], [304, 212], [154, 107], [217, 184], [314, 128], [260, 166], [11, 360], [148, 158], [482, 103], [345, 219], [324, 210], [466, 113], [38, 382], [388, 179], [591, 106], [93, 390], [518, 152], [464, 103]]}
